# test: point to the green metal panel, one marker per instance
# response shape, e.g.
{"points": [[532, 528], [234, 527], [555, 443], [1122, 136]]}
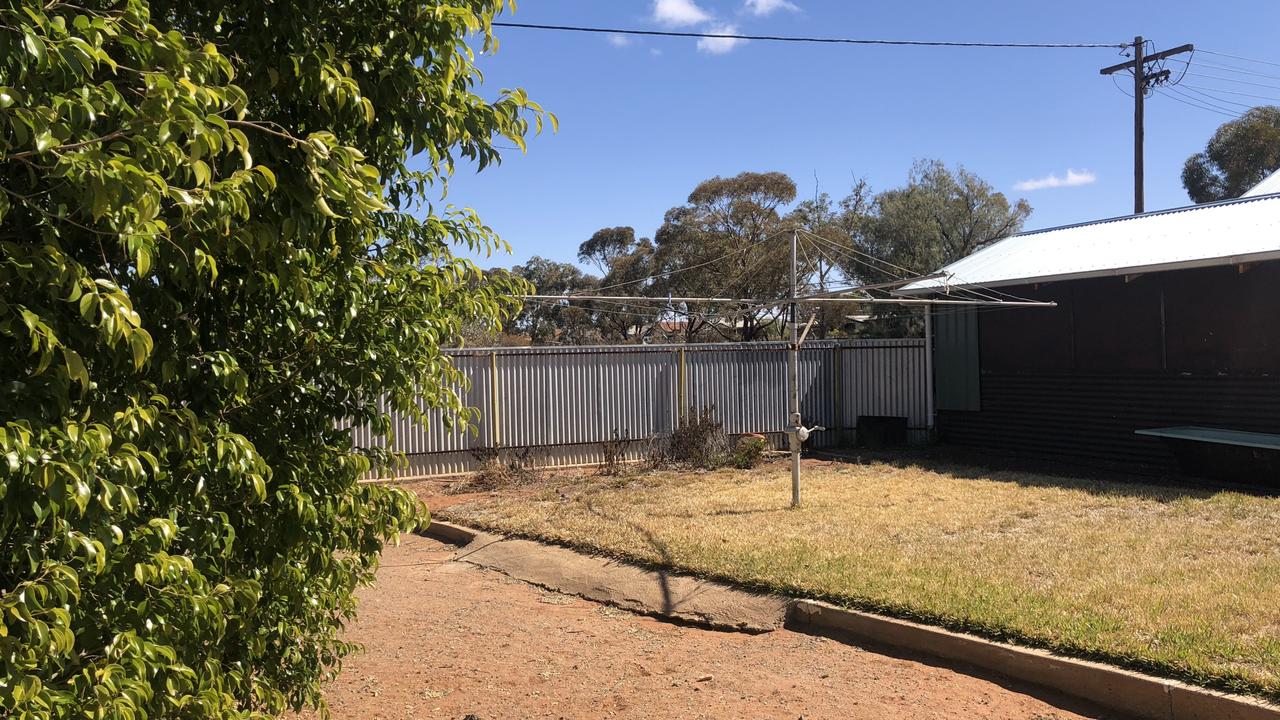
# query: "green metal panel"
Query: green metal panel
{"points": [[956, 370]]}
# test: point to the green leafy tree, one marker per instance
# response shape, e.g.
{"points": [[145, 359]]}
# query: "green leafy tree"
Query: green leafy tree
{"points": [[1239, 155], [938, 217], [607, 245], [830, 232], [551, 321], [628, 266], [213, 262], [725, 242]]}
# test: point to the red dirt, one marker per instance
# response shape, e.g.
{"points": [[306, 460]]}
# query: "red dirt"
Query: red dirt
{"points": [[446, 639]]}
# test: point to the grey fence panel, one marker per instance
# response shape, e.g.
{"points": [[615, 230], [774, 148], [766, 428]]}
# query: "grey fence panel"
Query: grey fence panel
{"points": [[551, 398], [742, 385], [886, 377], [564, 402], [434, 436]]}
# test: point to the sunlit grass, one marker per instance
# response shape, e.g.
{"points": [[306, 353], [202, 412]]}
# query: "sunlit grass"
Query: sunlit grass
{"points": [[1179, 581]]}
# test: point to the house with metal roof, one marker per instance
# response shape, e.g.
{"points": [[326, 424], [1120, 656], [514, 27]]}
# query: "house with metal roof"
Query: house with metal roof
{"points": [[1161, 354]]}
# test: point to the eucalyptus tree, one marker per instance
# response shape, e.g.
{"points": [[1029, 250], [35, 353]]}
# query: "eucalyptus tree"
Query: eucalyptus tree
{"points": [[552, 322], [938, 217], [727, 240], [214, 259], [1240, 154]]}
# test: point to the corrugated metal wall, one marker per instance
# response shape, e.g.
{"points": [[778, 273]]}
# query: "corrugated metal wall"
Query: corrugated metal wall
{"points": [[1073, 382], [558, 404], [1090, 419], [956, 358]]}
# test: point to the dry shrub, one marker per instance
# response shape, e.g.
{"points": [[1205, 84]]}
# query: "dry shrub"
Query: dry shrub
{"points": [[500, 468], [699, 442], [615, 454]]}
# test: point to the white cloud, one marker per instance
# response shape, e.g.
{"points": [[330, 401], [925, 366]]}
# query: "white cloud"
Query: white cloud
{"points": [[1072, 179], [655, 52], [620, 41], [679, 12], [720, 45], [763, 8]]}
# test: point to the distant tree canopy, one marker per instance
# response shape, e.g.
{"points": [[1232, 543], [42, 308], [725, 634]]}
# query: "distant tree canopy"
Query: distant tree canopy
{"points": [[731, 239], [938, 217], [717, 245], [550, 322], [606, 245], [1239, 155]]}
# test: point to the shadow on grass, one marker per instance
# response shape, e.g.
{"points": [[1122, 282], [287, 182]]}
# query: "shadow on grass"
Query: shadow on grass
{"points": [[662, 568], [971, 465], [726, 512]]}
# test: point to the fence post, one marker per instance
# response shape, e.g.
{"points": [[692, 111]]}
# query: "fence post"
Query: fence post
{"points": [[682, 389], [495, 425], [837, 393]]}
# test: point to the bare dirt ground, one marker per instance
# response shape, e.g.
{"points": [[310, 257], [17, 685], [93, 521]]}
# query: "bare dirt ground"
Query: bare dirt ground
{"points": [[446, 639]]}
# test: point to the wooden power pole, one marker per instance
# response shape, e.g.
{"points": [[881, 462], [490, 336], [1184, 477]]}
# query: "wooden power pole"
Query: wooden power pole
{"points": [[1142, 80]]}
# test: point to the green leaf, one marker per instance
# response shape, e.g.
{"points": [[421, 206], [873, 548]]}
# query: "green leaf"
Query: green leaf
{"points": [[237, 249], [201, 170], [140, 346], [143, 259], [76, 369], [33, 45], [44, 141]]}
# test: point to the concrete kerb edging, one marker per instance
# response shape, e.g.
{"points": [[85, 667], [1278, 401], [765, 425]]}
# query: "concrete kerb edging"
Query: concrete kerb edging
{"points": [[1129, 692], [449, 533], [1125, 691]]}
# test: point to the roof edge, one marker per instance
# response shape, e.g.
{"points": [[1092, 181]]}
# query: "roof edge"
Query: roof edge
{"points": [[917, 288], [1219, 261], [1138, 216]]}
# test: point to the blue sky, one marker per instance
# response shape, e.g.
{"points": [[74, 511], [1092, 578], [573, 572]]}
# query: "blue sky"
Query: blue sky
{"points": [[645, 119]]}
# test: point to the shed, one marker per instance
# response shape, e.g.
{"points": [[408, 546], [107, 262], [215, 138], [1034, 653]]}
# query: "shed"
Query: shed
{"points": [[1168, 318]]}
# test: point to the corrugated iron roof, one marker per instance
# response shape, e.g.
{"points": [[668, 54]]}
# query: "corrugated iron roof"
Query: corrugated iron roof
{"points": [[1268, 186], [1236, 231]]}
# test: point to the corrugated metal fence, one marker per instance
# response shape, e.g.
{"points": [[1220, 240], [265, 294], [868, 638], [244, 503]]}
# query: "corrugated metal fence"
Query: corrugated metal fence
{"points": [[555, 406]]}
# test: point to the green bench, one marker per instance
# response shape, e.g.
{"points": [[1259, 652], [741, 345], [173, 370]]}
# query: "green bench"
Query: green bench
{"points": [[1223, 454]]}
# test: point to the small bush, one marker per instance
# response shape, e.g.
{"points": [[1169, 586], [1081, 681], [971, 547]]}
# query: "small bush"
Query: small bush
{"points": [[615, 454], [699, 442], [749, 451], [498, 469]]}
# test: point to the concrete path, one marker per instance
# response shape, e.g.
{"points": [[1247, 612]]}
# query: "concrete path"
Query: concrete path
{"points": [[648, 592]]}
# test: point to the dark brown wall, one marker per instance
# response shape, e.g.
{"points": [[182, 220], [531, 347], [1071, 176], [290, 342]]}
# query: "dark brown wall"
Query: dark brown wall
{"points": [[1191, 347]]}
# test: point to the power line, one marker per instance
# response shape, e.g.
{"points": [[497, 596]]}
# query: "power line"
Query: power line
{"points": [[1225, 68], [1239, 57], [1124, 92], [1233, 92], [1211, 102], [1233, 80], [801, 39], [1209, 96], [1194, 104]]}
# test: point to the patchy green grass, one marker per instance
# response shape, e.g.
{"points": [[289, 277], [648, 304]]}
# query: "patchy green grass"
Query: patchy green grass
{"points": [[1179, 581]]}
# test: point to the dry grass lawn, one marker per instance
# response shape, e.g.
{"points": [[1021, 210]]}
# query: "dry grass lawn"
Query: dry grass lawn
{"points": [[1175, 580]]}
